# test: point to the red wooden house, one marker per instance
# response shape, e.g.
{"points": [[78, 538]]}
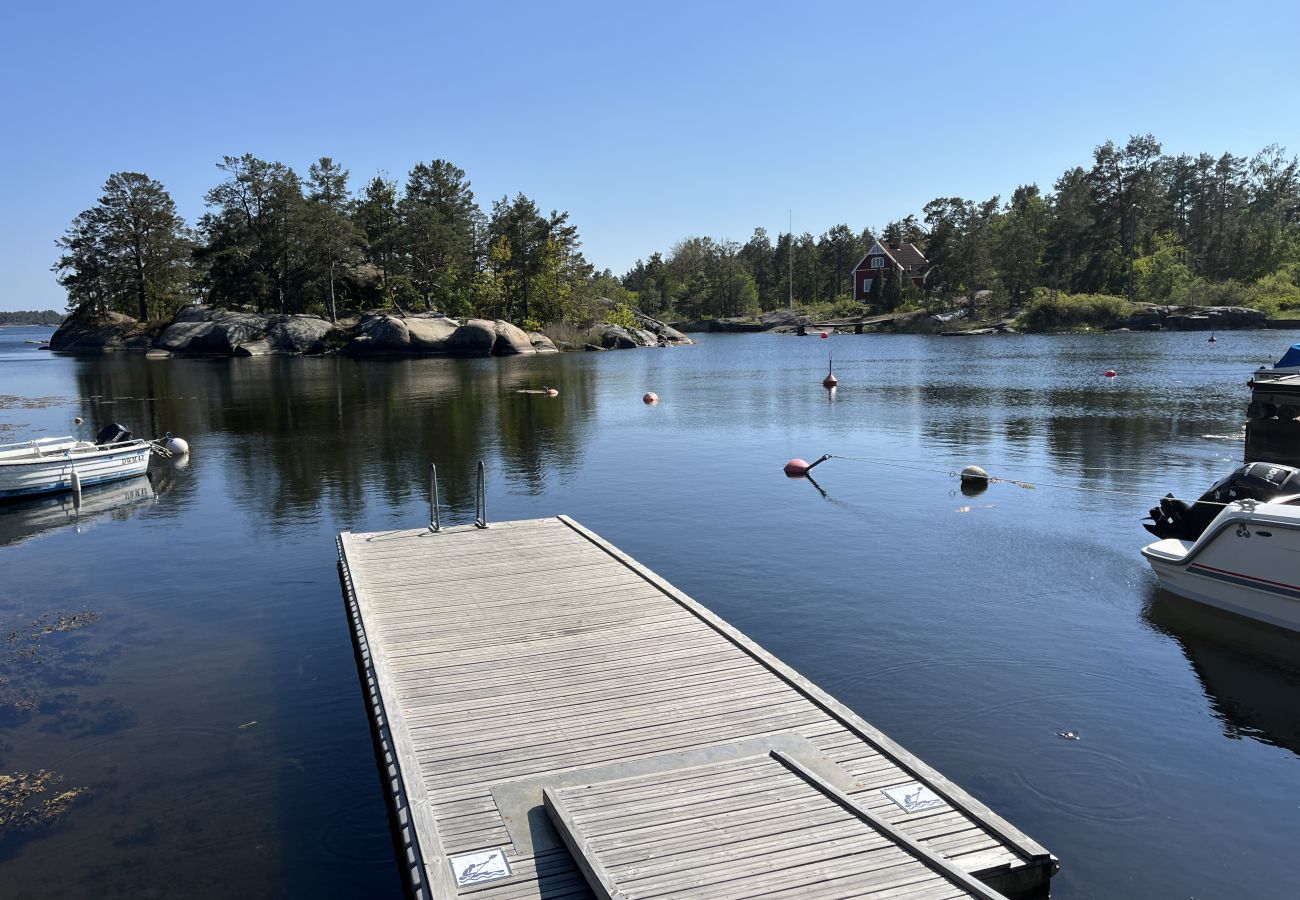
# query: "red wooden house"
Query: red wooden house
{"points": [[883, 260]]}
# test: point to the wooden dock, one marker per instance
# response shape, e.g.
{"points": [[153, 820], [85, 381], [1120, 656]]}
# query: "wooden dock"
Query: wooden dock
{"points": [[553, 720]]}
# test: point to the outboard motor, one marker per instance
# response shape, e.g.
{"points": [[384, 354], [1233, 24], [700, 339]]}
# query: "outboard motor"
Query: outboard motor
{"points": [[1259, 481], [112, 434]]}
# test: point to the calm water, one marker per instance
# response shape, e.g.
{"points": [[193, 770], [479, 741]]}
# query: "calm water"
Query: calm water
{"points": [[212, 709]]}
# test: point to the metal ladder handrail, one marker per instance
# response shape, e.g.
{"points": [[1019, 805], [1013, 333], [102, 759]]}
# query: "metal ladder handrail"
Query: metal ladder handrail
{"points": [[480, 503], [480, 500], [435, 519]]}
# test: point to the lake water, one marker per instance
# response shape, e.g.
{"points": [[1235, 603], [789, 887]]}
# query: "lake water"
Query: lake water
{"points": [[209, 707]]}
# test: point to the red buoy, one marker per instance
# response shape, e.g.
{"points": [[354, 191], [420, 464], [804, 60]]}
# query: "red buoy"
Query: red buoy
{"points": [[1111, 373], [796, 468], [825, 335], [650, 398], [830, 381]]}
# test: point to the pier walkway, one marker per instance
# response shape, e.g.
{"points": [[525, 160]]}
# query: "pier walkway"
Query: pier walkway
{"points": [[553, 720]]}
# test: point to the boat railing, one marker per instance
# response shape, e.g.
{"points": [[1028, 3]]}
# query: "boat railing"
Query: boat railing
{"points": [[34, 443]]}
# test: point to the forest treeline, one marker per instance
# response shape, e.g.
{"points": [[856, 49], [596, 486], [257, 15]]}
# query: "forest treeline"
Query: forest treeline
{"points": [[30, 317], [1135, 223]]}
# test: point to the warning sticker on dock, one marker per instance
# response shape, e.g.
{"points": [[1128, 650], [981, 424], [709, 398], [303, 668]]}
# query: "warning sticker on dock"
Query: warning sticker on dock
{"points": [[914, 797], [476, 868]]}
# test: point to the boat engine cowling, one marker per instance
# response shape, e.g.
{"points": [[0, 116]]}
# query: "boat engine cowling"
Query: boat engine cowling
{"points": [[112, 433], [1260, 481]]}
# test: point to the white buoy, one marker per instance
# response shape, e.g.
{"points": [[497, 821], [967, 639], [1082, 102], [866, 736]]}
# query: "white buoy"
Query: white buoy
{"points": [[974, 475], [178, 446], [76, 488]]}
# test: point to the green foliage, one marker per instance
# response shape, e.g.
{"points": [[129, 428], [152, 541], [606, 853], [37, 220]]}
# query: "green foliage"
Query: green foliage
{"points": [[251, 235], [438, 235], [536, 262], [129, 253], [1278, 294], [30, 317], [620, 314], [1048, 311], [1134, 221], [332, 241], [875, 296], [1162, 274], [891, 295], [824, 310]]}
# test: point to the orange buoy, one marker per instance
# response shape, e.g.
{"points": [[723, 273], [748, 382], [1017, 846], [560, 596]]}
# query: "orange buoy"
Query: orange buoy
{"points": [[798, 468], [650, 398], [1111, 373], [825, 335], [830, 381], [552, 392]]}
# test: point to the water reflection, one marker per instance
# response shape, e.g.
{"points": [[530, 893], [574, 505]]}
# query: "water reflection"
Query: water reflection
{"points": [[118, 501], [1248, 670], [313, 436]]}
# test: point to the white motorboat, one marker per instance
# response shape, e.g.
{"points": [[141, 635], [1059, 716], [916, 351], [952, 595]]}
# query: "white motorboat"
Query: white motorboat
{"points": [[54, 465], [1238, 547]]}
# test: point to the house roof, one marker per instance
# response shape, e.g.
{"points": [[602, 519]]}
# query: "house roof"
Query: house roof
{"points": [[908, 256], [905, 256]]}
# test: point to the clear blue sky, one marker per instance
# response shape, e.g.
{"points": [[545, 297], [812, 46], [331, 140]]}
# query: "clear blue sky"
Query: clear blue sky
{"points": [[647, 122]]}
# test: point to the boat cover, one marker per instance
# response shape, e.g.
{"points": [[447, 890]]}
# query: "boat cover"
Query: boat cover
{"points": [[1290, 358]]}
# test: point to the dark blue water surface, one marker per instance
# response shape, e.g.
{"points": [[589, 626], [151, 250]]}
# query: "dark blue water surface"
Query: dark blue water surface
{"points": [[208, 705]]}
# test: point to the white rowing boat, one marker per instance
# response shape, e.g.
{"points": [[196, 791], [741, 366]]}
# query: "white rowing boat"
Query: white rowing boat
{"points": [[54, 465]]}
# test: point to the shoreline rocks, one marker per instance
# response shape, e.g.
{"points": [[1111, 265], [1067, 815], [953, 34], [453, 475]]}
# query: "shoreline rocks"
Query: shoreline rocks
{"points": [[200, 331], [1192, 318]]}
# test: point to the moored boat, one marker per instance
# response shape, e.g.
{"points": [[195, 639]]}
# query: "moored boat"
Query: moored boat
{"points": [[1236, 547], [54, 465], [1276, 391]]}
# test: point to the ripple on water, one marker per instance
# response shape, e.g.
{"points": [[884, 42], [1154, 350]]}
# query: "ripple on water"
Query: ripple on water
{"points": [[1087, 783]]}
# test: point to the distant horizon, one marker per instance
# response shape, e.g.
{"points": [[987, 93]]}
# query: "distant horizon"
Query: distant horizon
{"points": [[698, 121]]}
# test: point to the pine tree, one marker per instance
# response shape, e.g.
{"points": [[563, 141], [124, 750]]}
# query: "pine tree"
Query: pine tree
{"points": [[130, 252]]}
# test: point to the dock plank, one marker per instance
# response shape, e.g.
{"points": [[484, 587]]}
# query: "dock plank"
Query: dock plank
{"points": [[529, 653]]}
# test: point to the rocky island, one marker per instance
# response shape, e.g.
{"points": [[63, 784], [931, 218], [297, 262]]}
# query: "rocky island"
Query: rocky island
{"points": [[198, 330]]}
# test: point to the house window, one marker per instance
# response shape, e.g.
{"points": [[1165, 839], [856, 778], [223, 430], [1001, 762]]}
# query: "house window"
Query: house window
{"points": [[877, 262], [866, 285]]}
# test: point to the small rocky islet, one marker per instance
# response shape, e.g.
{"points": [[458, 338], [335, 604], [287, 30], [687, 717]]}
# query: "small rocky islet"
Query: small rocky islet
{"points": [[198, 330]]}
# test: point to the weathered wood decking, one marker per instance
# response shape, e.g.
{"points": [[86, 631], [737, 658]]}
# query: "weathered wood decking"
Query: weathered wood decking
{"points": [[530, 675]]}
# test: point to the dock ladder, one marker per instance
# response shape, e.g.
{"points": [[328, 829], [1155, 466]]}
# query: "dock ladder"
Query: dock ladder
{"points": [[480, 500]]}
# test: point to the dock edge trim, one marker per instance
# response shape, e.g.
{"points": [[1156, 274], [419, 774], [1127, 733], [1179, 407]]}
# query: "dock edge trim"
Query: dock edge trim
{"points": [[427, 868]]}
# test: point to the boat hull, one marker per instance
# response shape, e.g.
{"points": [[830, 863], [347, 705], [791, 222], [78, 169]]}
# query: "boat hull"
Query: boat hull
{"points": [[53, 474], [1244, 563]]}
